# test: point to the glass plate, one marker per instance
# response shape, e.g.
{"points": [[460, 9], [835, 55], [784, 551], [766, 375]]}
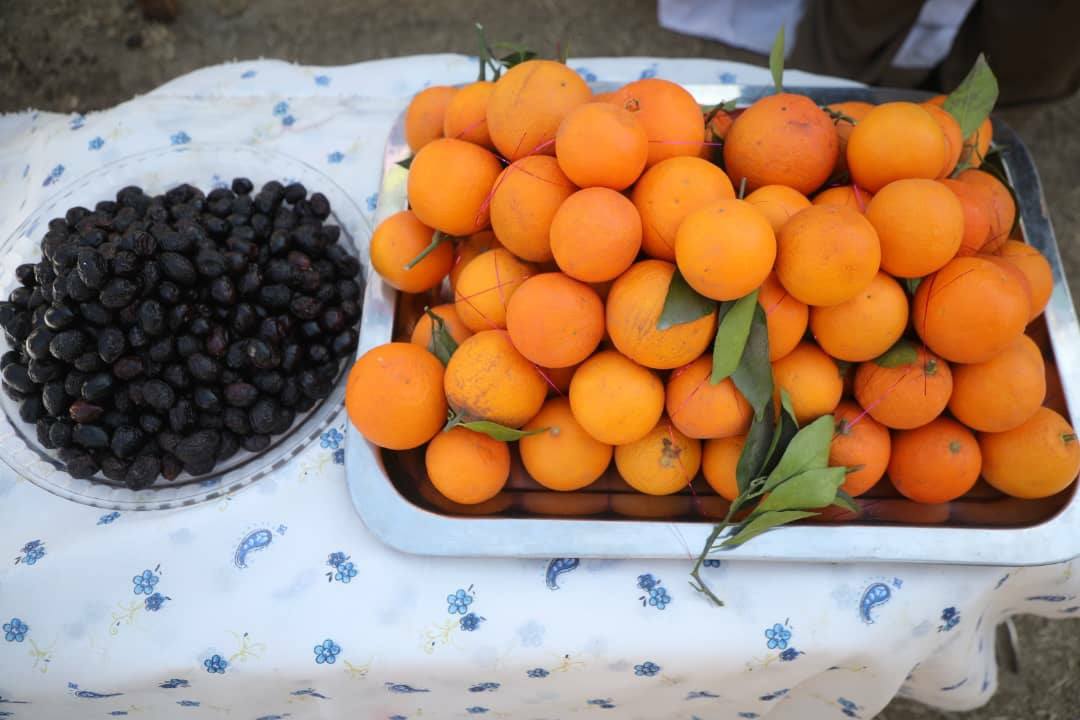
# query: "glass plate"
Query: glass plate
{"points": [[204, 166]]}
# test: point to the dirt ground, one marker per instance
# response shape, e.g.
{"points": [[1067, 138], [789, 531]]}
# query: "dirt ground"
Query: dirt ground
{"points": [[79, 55]]}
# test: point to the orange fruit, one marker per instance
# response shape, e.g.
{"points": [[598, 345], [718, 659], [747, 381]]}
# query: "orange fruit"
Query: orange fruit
{"points": [[488, 379], [860, 444], [564, 457], [935, 463], [852, 196], [661, 463], [467, 467], [671, 117], [977, 143], [554, 320], [866, 325], [826, 254], [527, 105], [466, 114], [601, 145], [725, 249], [904, 396], [811, 379], [421, 334], [668, 192], [719, 463], [1003, 392], [970, 310], [616, 400], [485, 286], [1035, 268], [595, 235], [1037, 459], [1002, 206], [449, 184], [398, 240], [785, 317], [975, 202], [394, 396], [700, 409], [920, 224], [895, 141], [523, 203], [954, 142], [777, 203], [634, 305], [466, 248], [856, 110], [424, 116], [782, 139]]}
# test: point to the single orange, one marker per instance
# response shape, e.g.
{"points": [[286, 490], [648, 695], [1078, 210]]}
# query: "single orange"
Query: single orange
{"points": [[554, 320], [526, 196], [860, 444], [421, 334], [920, 224], [907, 395], [616, 400], [668, 192], [826, 254], [719, 463], [1002, 206], [1035, 268], [634, 305], [777, 203], [811, 379], [424, 116], [661, 463], [563, 457], [935, 463], [702, 410], [467, 467], [397, 241], [895, 141], [485, 286], [1003, 392], [601, 145], [671, 117], [466, 248], [466, 114], [595, 235], [785, 316], [976, 204], [1037, 459], [864, 326], [726, 249], [450, 182], [394, 396], [488, 379]]}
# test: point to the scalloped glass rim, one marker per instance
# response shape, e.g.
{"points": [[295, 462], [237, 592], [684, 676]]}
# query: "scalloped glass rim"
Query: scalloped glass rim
{"points": [[203, 165]]}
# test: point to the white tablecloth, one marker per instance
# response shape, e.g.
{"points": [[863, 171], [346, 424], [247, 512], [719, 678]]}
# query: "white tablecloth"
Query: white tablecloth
{"points": [[277, 603]]}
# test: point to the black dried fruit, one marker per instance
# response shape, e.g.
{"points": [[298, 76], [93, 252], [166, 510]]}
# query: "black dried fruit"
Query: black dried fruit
{"points": [[207, 399], [60, 434], [137, 337], [158, 394], [129, 367], [31, 408], [82, 411], [171, 467], [42, 371], [15, 375], [68, 345], [150, 423], [117, 293], [177, 268], [92, 268], [198, 450], [236, 420], [54, 398], [269, 383], [142, 472], [152, 317], [59, 317], [222, 291], [203, 368], [95, 313], [181, 416], [217, 341], [127, 441], [90, 436], [256, 443], [37, 343], [114, 419], [124, 263], [73, 383], [275, 296], [98, 387], [41, 429], [113, 468], [89, 362], [169, 293], [168, 441], [81, 466], [111, 344], [176, 375]]}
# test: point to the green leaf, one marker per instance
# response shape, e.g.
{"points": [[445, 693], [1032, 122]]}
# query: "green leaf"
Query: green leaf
{"points": [[763, 522], [437, 238], [972, 101], [902, 353], [500, 432], [912, 284], [813, 488], [755, 451], [517, 55], [789, 425], [776, 60], [753, 377], [808, 450], [564, 51], [731, 335], [683, 304], [442, 343], [406, 162], [843, 500]]}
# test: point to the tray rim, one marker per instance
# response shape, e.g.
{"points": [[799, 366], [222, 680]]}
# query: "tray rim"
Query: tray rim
{"points": [[406, 527]]}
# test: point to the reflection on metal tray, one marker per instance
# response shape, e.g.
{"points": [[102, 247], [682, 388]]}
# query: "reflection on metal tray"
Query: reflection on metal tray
{"points": [[398, 503]]}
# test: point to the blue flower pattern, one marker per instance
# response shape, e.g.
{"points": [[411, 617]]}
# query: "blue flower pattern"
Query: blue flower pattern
{"points": [[248, 74], [335, 157], [179, 138], [848, 707], [950, 618], [346, 571], [484, 687], [144, 583], [77, 122], [604, 703], [108, 518], [322, 80], [790, 654], [188, 703], [96, 144], [156, 601], [215, 664], [15, 631], [31, 552], [458, 602], [476, 710], [777, 637], [646, 669], [537, 673], [471, 622], [372, 201], [53, 176], [327, 652], [658, 596], [331, 439]]}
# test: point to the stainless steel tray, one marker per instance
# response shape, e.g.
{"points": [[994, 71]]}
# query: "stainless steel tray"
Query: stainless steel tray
{"points": [[399, 505]]}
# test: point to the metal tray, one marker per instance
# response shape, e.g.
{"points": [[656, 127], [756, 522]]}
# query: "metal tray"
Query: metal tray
{"points": [[400, 506]]}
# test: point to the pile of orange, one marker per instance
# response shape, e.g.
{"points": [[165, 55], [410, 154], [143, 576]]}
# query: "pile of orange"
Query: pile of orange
{"points": [[562, 218]]}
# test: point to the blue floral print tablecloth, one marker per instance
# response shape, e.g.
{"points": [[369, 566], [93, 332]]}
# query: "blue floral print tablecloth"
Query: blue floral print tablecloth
{"points": [[276, 603]]}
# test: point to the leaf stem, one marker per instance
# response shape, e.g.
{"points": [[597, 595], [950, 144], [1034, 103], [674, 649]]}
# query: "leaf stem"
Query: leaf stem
{"points": [[437, 238]]}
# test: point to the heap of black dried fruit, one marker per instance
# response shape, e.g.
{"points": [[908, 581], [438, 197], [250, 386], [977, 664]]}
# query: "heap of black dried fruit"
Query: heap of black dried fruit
{"points": [[163, 334]]}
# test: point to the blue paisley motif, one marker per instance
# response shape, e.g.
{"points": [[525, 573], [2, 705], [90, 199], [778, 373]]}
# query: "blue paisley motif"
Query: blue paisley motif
{"points": [[253, 542], [404, 689], [557, 567], [875, 595]]}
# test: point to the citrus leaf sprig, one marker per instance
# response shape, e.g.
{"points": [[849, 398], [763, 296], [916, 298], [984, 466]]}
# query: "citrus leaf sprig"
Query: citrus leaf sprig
{"points": [[973, 99], [437, 238], [732, 333], [487, 427], [442, 344], [683, 304], [776, 60]]}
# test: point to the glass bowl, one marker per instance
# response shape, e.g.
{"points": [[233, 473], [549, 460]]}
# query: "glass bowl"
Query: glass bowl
{"points": [[205, 166]]}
